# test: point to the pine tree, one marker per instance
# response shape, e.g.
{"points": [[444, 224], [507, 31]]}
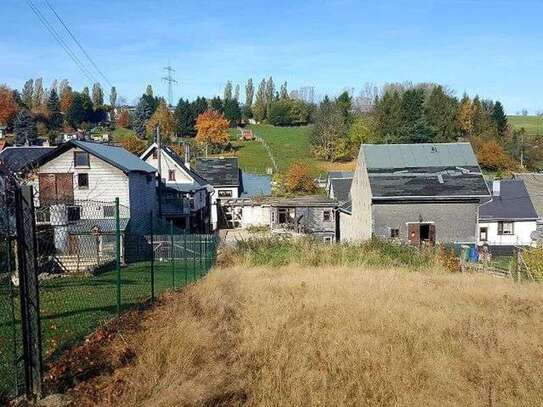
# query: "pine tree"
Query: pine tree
{"points": [[37, 96], [198, 107], [388, 114], [88, 110], [249, 92], [75, 114], [259, 107], [232, 112], [24, 128], [97, 96], [440, 112], [236, 92], [53, 106], [27, 93], [113, 97], [144, 111], [86, 91], [149, 91], [284, 91], [228, 91], [500, 119], [270, 90], [184, 118], [216, 104]]}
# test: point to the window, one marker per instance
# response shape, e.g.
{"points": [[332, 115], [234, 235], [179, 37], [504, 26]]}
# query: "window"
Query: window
{"points": [[155, 153], [43, 215], [328, 239], [74, 213], [326, 216], [171, 175], [109, 211], [225, 193], [505, 228], [83, 181], [483, 234], [394, 233], [81, 159]]}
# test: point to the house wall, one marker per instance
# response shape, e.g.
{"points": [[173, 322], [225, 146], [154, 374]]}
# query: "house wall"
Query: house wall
{"points": [[214, 203], [106, 182], [521, 234], [359, 226], [311, 218], [454, 222], [167, 163], [255, 215], [345, 222], [143, 200]]}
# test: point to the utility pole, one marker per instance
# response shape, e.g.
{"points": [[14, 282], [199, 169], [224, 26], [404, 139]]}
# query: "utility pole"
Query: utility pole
{"points": [[170, 80], [159, 158]]}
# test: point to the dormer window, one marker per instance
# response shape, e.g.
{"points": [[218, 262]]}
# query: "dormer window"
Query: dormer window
{"points": [[81, 159], [171, 175]]}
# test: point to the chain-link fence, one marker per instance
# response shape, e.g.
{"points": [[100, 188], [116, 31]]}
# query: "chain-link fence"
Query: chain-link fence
{"points": [[11, 350], [93, 261]]}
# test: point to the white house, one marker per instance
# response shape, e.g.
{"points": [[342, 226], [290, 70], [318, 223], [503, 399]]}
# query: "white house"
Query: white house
{"points": [[185, 198], [509, 217]]}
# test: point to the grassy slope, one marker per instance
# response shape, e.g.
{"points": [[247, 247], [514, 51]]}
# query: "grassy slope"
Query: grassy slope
{"points": [[119, 133], [532, 124], [337, 336]]}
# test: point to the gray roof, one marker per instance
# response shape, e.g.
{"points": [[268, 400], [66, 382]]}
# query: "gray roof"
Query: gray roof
{"points": [[106, 225], [513, 203], [16, 159], [255, 185], [534, 184], [340, 174], [388, 156], [116, 156], [219, 171], [347, 207], [341, 188], [424, 171]]}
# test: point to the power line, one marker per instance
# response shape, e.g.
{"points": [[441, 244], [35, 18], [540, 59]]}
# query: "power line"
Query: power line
{"points": [[170, 81], [78, 43], [60, 41]]}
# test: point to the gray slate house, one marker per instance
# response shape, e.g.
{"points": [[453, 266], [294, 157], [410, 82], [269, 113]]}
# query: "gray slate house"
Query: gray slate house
{"points": [[415, 193], [338, 185]]}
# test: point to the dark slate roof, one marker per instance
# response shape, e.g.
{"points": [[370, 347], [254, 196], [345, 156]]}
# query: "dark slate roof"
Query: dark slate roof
{"points": [[390, 156], [255, 185], [513, 203], [219, 171], [428, 183], [341, 188], [16, 159], [116, 156], [534, 184], [347, 207]]}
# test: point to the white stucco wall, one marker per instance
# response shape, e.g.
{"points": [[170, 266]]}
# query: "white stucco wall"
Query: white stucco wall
{"points": [[521, 234], [255, 216]]}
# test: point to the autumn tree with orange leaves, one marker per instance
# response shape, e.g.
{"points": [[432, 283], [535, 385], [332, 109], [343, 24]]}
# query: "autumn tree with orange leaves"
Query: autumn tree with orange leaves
{"points": [[8, 106], [300, 179], [124, 119], [212, 129], [162, 118], [492, 156], [133, 144]]}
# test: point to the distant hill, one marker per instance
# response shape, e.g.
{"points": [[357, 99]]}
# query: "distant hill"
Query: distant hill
{"points": [[532, 124]]}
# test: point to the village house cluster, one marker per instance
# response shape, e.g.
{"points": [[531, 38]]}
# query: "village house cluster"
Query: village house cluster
{"points": [[418, 194]]}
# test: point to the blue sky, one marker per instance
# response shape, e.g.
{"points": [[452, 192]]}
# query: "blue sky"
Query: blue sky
{"points": [[493, 48]]}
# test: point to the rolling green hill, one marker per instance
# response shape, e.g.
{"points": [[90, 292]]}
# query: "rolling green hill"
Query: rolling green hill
{"points": [[532, 124]]}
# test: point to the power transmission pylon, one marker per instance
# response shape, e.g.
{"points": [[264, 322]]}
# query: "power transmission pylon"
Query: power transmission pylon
{"points": [[170, 80]]}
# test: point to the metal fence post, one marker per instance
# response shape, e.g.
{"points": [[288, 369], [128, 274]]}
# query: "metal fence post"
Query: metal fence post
{"points": [[29, 289], [118, 253], [152, 260], [171, 254]]}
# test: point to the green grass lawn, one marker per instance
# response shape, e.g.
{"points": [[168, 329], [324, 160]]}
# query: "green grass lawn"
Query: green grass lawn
{"points": [[532, 124], [73, 306], [288, 144], [119, 133]]}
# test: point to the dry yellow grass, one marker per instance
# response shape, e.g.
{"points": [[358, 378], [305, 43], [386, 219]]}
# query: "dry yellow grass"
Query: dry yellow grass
{"points": [[332, 337]]}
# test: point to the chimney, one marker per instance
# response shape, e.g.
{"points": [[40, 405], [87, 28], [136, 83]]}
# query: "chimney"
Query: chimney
{"points": [[496, 187], [186, 148]]}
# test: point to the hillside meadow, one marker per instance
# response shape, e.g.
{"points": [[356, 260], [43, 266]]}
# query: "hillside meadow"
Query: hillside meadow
{"points": [[287, 333], [532, 124]]}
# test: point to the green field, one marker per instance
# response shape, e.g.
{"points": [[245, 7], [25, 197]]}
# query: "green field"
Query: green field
{"points": [[119, 133], [532, 124]]}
